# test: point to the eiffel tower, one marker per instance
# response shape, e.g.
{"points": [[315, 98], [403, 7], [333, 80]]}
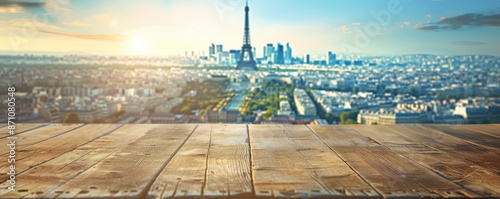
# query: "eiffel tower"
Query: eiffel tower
{"points": [[246, 55]]}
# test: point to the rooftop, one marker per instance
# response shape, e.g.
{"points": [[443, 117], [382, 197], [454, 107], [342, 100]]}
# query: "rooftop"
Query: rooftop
{"points": [[252, 161]]}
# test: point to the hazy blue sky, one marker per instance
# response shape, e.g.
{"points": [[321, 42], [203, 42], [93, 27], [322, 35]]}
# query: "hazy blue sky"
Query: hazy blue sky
{"points": [[311, 26]]}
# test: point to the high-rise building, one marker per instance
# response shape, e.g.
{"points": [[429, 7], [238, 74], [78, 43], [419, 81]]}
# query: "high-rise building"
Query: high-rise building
{"points": [[211, 50], [234, 55], [268, 50], [331, 58], [288, 56], [307, 59], [254, 52], [280, 59], [219, 48]]}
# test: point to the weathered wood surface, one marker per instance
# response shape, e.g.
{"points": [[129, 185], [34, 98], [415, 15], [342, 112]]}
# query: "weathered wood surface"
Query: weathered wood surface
{"points": [[253, 161], [486, 129], [20, 128], [456, 169]]}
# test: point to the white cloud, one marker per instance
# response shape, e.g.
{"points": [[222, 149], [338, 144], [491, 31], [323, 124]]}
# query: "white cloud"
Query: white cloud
{"points": [[77, 23]]}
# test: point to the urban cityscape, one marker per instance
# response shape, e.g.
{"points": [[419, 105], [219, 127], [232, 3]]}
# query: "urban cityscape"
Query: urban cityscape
{"points": [[269, 84]]}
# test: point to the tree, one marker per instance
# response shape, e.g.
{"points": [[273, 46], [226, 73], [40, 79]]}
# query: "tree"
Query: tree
{"points": [[345, 116], [414, 92], [351, 121], [71, 118], [355, 89]]}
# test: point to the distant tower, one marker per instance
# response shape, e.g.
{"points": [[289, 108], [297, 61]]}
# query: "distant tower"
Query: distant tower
{"points": [[211, 50], [246, 56], [280, 55], [331, 58], [219, 48]]}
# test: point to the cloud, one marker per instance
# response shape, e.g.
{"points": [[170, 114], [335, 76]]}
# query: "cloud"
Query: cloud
{"points": [[34, 24], [468, 43], [11, 9], [100, 17], [469, 20], [105, 18], [345, 29], [406, 23], [77, 23], [23, 3], [427, 27], [21, 6], [102, 37], [428, 15]]}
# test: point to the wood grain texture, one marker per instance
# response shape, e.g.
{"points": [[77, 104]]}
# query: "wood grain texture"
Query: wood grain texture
{"points": [[290, 161], [228, 165], [253, 161], [20, 128], [36, 136], [42, 179], [492, 130], [388, 172], [473, 137], [128, 172], [457, 169], [42, 152], [184, 175], [483, 156]]}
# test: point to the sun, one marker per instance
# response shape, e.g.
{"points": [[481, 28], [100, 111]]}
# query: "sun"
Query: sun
{"points": [[140, 45]]}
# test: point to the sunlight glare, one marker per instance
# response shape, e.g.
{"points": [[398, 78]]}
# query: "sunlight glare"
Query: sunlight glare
{"points": [[139, 45]]}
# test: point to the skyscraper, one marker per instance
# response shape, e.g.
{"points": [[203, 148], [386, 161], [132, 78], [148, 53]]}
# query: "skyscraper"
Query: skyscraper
{"points": [[268, 50], [234, 55], [331, 58], [211, 50], [219, 48], [288, 56], [307, 59], [280, 55]]}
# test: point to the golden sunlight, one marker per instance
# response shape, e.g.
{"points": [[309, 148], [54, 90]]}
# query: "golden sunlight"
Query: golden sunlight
{"points": [[140, 45]]}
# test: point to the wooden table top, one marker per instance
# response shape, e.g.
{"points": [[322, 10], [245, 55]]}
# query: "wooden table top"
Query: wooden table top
{"points": [[252, 161]]}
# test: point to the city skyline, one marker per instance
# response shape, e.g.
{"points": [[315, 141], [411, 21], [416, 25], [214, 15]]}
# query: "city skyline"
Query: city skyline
{"points": [[152, 27]]}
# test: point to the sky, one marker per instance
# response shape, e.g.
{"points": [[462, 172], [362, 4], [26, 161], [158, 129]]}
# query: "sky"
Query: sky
{"points": [[159, 27]]}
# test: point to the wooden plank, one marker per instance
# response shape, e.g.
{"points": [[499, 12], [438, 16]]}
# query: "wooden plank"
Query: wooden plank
{"points": [[485, 157], [228, 166], [489, 129], [44, 151], [129, 172], [36, 135], [388, 172], [184, 175], [20, 128], [290, 161], [45, 177], [456, 169], [467, 135]]}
